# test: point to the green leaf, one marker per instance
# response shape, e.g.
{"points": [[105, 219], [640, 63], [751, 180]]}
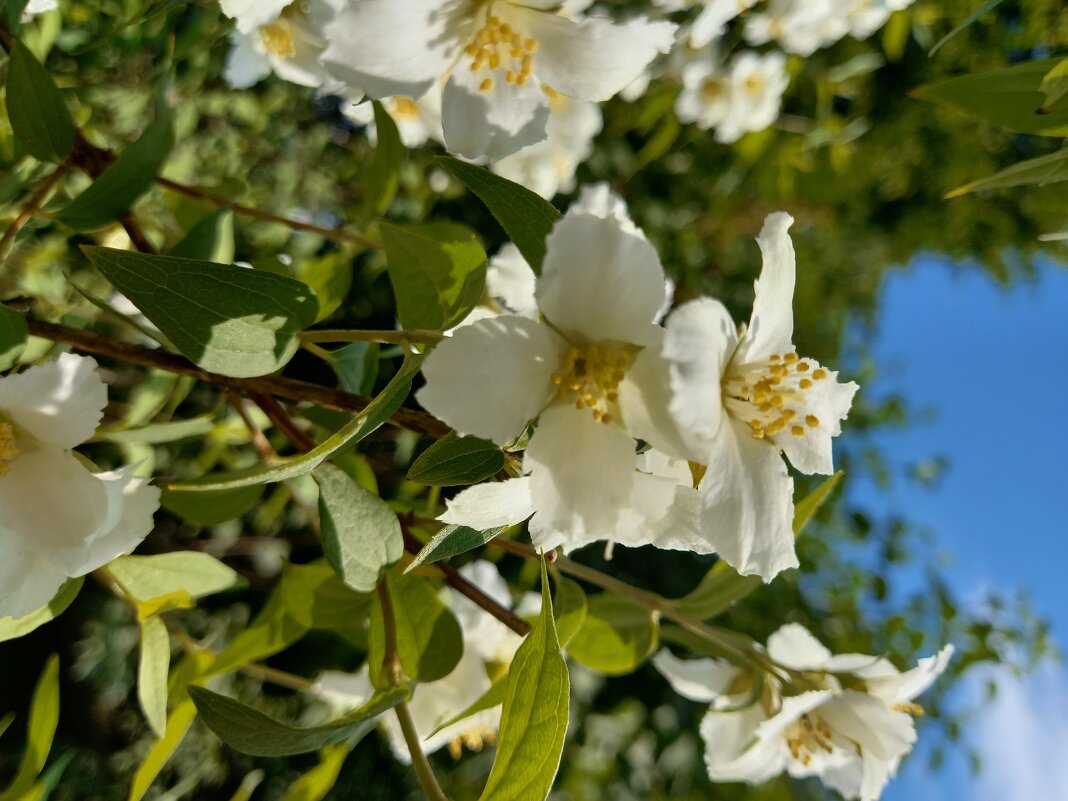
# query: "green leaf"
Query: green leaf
{"points": [[44, 717], [314, 596], [534, 715], [330, 278], [13, 333], [356, 365], [11, 13], [983, 10], [152, 671], [454, 461], [383, 175], [451, 541], [160, 433], [722, 587], [211, 508], [429, 639], [524, 215], [363, 424], [251, 732], [570, 606], [226, 319], [494, 696], [38, 113], [145, 578], [1008, 97], [616, 636], [320, 780], [271, 631], [5, 722], [1055, 87], [438, 271], [252, 780], [131, 175], [361, 534], [211, 239], [13, 628], [161, 751]]}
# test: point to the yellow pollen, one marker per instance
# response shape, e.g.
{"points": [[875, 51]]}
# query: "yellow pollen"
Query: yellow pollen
{"points": [[805, 383], [790, 358], [475, 740], [771, 396], [807, 735], [9, 449], [820, 374], [797, 431], [405, 107], [788, 414], [909, 708], [277, 39], [775, 357], [498, 46], [802, 368], [812, 421], [592, 374], [711, 89], [777, 401]]}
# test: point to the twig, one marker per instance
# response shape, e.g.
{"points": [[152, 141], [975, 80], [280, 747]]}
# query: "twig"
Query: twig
{"points": [[333, 234], [137, 236], [283, 422], [259, 439], [288, 388], [391, 668], [467, 589], [402, 337], [32, 206]]}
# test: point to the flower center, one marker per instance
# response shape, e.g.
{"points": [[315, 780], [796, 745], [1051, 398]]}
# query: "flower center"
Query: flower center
{"points": [[754, 84], [591, 374], [277, 39], [9, 449], [770, 395], [405, 107], [712, 88], [474, 740], [497, 45], [807, 735]]}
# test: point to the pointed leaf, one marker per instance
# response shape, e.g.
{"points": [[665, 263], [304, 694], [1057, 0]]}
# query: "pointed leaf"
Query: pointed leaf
{"points": [[192, 572], [1034, 172], [534, 716], [451, 541], [494, 696], [361, 534], [454, 461], [161, 751], [44, 717], [982, 11], [438, 271], [211, 508], [211, 239], [1055, 87], [152, 672], [616, 636], [226, 319], [320, 780], [524, 215], [251, 732], [38, 113], [383, 175]]}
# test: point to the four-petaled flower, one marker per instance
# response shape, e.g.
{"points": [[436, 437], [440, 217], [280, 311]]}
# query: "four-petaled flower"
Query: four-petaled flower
{"points": [[59, 519], [501, 59]]}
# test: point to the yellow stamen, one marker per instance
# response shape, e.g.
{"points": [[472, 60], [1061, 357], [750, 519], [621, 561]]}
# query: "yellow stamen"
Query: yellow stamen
{"points": [[277, 40]]}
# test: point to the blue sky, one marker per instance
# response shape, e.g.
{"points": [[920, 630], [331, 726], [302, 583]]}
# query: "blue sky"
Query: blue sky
{"points": [[992, 362]]}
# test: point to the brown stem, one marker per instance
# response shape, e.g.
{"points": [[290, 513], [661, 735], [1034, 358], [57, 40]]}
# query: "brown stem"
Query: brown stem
{"points": [[137, 236], [288, 388], [32, 206], [333, 234], [259, 439], [284, 422], [468, 590]]}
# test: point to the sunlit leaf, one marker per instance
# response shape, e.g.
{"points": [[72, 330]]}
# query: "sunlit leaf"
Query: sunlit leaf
{"points": [[44, 717], [454, 461], [152, 671], [320, 780], [451, 541], [211, 239], [178, 724], [617, 635], [193, 572]]}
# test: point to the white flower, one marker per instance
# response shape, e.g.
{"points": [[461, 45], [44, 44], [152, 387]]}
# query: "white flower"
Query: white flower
{"points": [[34, 7], [57, 519], [418, 121], [850, 724], [711, 21], [742, 400], [745, 99], [281, 37], [549, 166], [498, 57], [799, 26], [487, 641], [600, 293]]}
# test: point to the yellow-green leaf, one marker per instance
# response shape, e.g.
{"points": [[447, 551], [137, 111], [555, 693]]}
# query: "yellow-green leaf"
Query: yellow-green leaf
{"points": [[616, 636], [44, 717], [152, 671]]}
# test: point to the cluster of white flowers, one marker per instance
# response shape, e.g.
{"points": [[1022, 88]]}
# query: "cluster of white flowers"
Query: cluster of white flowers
{"points": [[581, 351], [60, 520], [847, 719]]}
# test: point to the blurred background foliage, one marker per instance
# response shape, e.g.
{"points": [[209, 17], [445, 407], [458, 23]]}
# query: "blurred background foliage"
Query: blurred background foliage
{"points": [[861, 164]]}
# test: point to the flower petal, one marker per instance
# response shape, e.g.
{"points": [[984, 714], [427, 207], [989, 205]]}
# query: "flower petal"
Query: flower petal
{"points": [[59, 403], [771, 327], [748, 504], [592, 58], [510, 281], [582, 475], [245, 65], [793, 646], [701, 680], [53, 505], [136, 502], [492, 377], [396, 47], [599, 199], [644, 402], [251, 14], [599, 282], [486, 635], [732, 753], [882, 734], [491, 123], [28, 580], [828, 401], [896, 689], [489, 505], [697, 347]]}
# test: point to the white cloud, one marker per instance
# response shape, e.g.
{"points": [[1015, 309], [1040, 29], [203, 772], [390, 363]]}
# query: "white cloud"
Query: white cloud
{"points": [[1023, 738]]}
